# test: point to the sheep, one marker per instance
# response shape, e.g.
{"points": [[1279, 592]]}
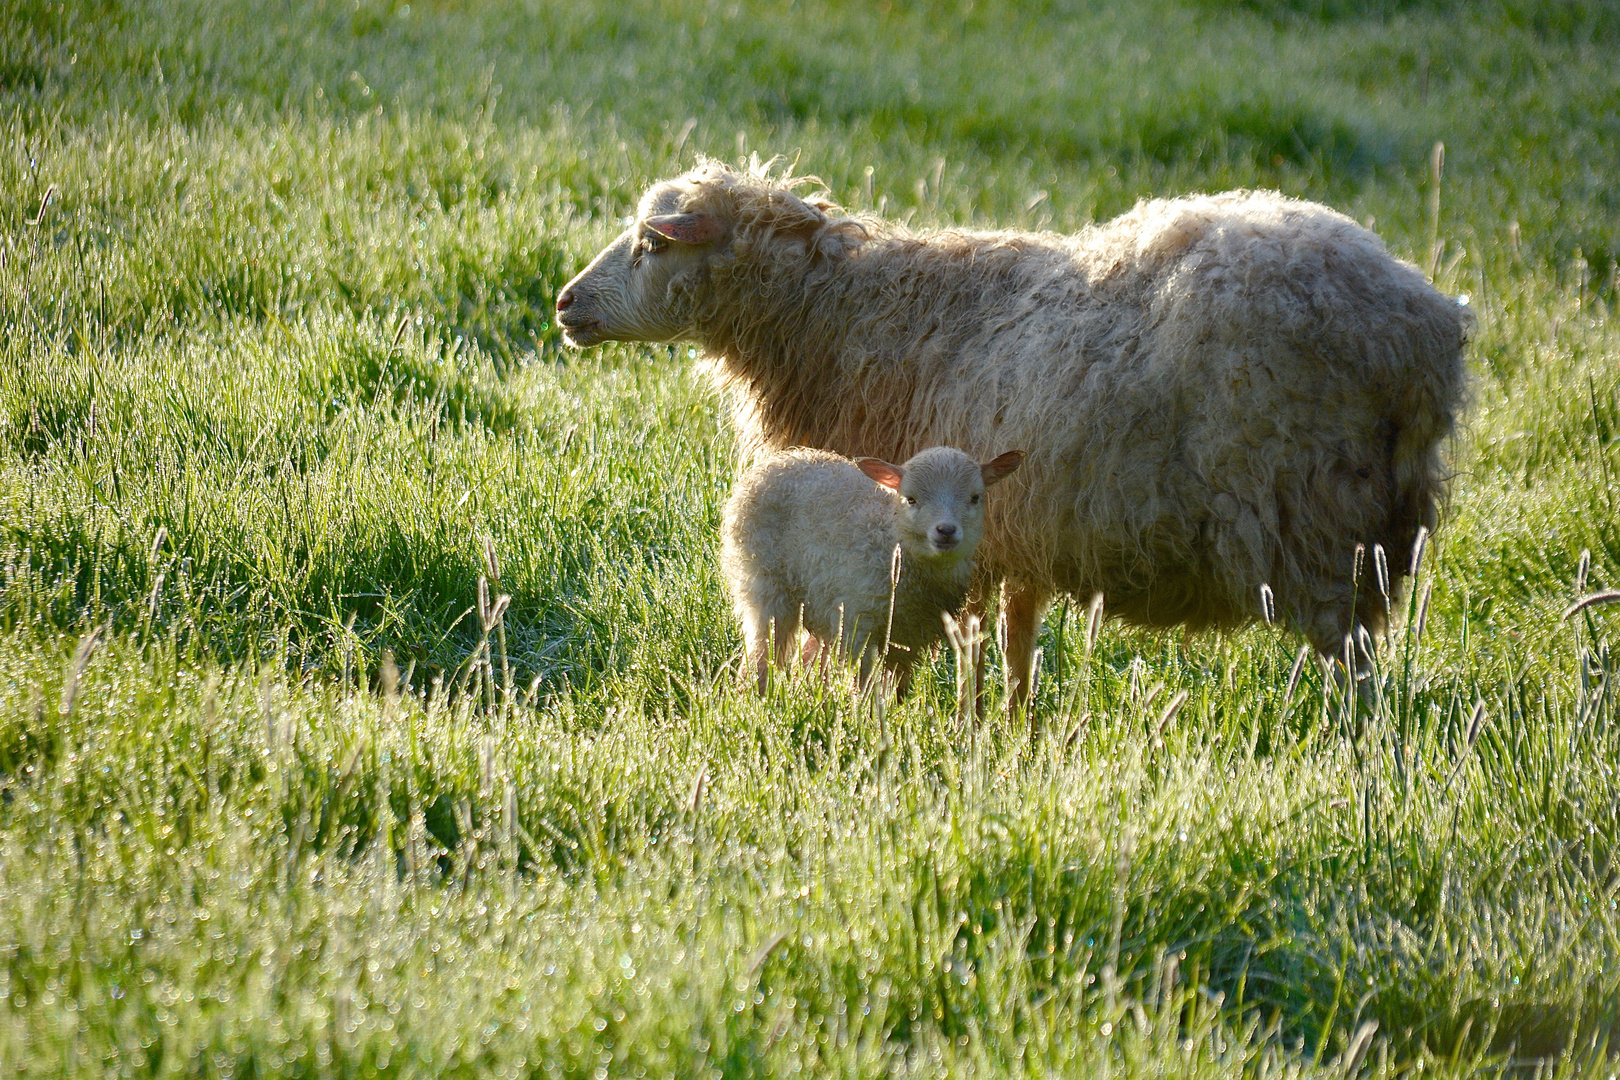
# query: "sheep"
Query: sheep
{"points": [[808, 536], [1229, 393]]}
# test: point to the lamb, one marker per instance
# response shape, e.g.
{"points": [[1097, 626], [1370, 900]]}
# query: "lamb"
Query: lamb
{"points": [[807, 535], [1224, 392]]}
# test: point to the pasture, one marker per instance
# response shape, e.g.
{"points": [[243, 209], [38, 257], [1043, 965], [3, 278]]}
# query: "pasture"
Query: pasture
{"points": [[369, 696]]}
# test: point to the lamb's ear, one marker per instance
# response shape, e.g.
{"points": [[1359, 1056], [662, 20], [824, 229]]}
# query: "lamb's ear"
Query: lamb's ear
{"points": [[698, 228], [998, 467], [881, 471]]}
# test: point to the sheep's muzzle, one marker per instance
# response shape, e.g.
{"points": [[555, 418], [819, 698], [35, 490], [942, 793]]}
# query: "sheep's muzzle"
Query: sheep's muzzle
{"points": [[582, 334], [580, 328]]}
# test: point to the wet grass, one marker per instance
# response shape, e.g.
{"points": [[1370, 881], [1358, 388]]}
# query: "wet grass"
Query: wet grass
{"points": [[367, 700]]}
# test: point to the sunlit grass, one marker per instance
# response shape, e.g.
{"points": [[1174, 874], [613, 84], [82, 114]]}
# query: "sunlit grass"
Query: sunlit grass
{"points": [[287, 789]]}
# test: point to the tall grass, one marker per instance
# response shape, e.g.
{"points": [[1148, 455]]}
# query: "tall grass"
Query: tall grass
{"points": [[368, 696]]}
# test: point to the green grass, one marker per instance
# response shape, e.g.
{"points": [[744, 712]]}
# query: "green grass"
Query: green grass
{"points": [[281, 795]]}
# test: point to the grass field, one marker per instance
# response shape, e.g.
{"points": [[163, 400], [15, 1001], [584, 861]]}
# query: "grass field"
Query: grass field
{"points": [[283, 414]]}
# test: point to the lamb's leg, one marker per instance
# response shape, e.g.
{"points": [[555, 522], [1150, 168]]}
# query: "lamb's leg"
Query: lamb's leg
{"points": [[769, 629], [816, 655], [759, 662], [786, 631], [758, 653], [1022, 606]]}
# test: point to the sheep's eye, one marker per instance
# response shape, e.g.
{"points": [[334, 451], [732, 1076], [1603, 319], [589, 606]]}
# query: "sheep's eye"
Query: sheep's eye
{"points": [[909, 500], [652, 243], [974, 500]]}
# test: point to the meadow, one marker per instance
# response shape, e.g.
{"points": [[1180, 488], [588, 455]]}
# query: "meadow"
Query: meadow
{"points": [[368, 692]]}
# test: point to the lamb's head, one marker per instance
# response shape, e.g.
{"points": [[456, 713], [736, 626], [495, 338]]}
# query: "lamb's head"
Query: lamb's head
{"points": [[652, 283], [940, 514]]}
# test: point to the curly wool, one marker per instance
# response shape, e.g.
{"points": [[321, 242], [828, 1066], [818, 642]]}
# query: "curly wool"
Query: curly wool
{"points": [[1227, 390]]}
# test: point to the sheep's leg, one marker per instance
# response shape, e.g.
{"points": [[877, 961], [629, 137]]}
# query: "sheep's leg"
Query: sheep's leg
{"points": [[1022, 607], [1347, 673], [869, 666], [979, 605], [902, 678]]}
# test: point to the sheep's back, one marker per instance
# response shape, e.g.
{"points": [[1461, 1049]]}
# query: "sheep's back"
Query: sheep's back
{"points": [[1200, 385]]}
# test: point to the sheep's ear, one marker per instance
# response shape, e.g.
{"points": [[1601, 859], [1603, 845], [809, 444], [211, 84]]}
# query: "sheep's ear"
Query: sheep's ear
{"points": [[881, 471], [792, 215], [998, 467], [686, 228]]}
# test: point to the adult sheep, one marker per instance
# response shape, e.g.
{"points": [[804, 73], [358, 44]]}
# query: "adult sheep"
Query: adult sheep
{"points": [[1218, 392]]}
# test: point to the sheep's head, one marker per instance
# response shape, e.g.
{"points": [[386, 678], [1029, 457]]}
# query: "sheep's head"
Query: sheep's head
{"points": [[650, 284], [941, 490]]}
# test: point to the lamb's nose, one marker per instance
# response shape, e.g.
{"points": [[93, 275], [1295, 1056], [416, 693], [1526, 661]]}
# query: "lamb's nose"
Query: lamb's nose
{"points": [[945, 529], [564, 299]]}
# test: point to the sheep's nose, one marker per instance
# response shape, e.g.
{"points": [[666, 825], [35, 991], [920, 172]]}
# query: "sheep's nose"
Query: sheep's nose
{"points": [[945, 530], [564, 299]]}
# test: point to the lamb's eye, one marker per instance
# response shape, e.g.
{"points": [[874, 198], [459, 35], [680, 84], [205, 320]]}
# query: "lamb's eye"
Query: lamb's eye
{"points": [[974, 500], [652, 243], [909, 500]]}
